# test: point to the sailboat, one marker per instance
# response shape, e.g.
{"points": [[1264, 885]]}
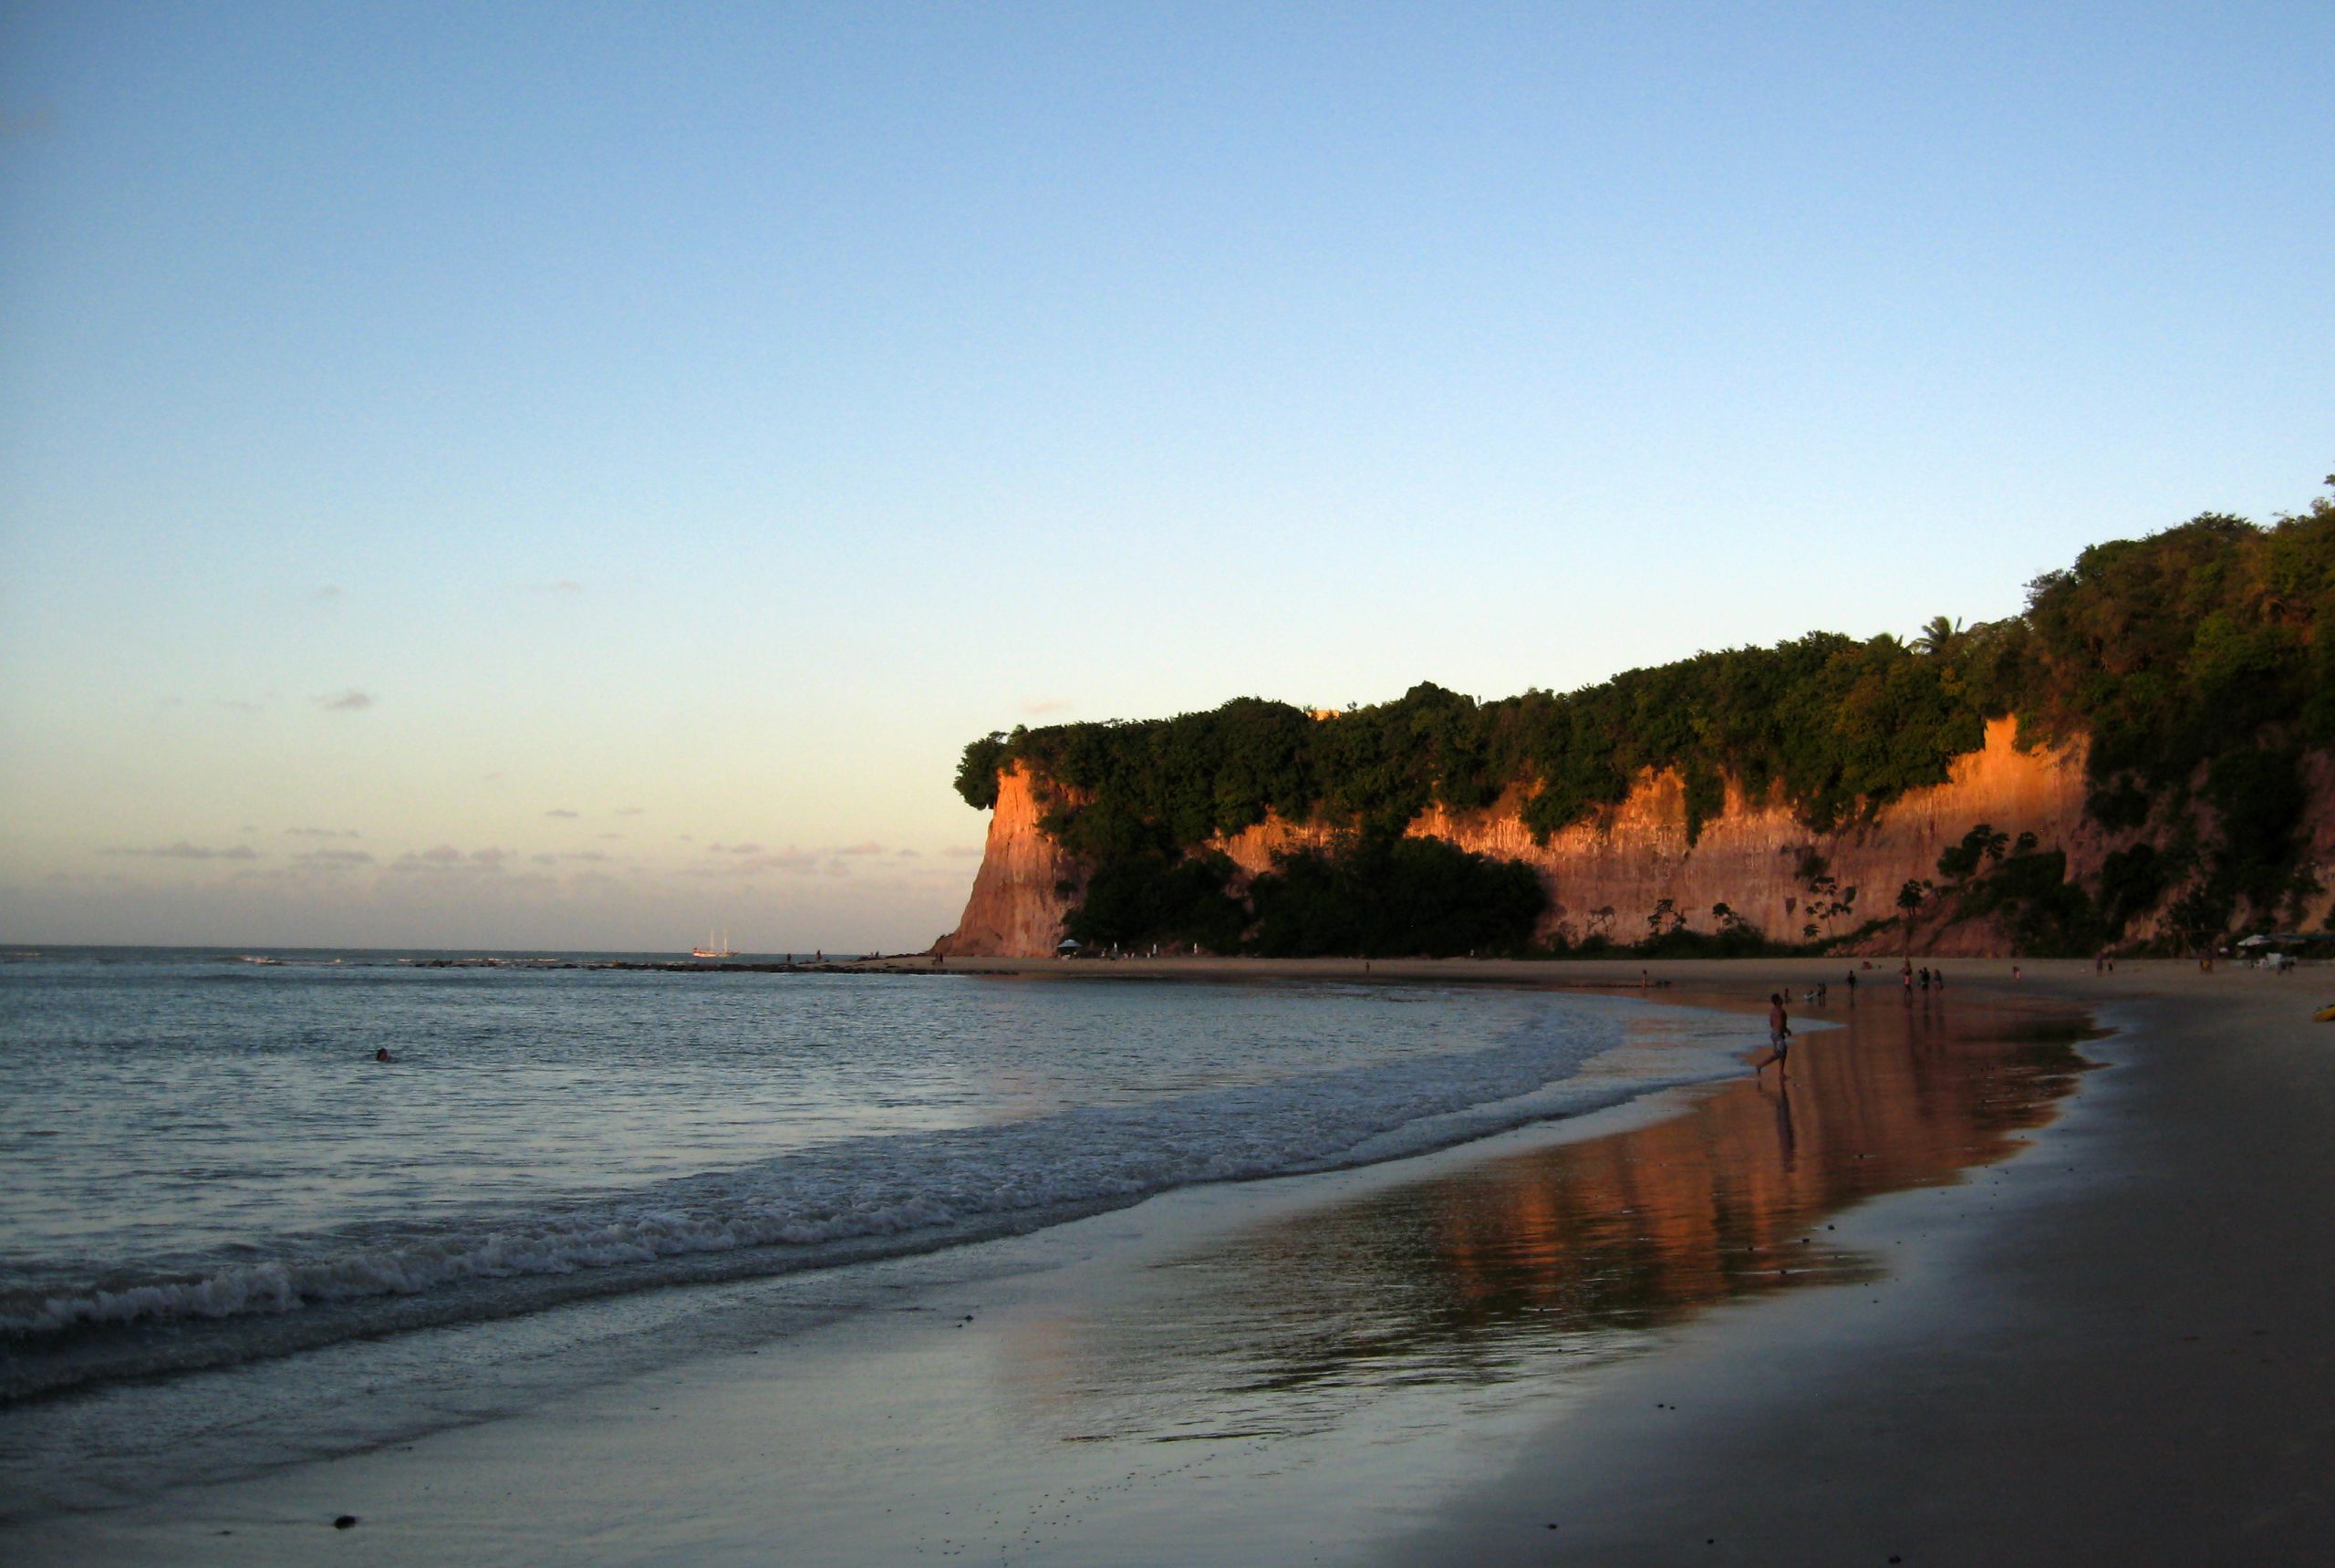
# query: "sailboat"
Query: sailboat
{"points": [[715, 949]]}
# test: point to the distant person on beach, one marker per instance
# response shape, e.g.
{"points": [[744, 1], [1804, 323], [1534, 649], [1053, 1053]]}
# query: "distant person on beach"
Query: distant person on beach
{"points": [[1778, 1033], [1822, 992], [1923, 978], [1852, 979]]}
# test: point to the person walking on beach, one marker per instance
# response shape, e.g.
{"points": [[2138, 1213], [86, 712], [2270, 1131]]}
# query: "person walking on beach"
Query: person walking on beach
{"points": [[1779, 1033]]}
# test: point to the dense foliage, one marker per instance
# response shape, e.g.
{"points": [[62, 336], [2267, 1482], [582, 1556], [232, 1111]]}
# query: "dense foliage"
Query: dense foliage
{"points": [[1389, 897], [2192, 660]]}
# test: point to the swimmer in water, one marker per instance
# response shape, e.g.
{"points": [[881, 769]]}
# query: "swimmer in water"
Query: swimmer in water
{"points": [[383, 1056]]}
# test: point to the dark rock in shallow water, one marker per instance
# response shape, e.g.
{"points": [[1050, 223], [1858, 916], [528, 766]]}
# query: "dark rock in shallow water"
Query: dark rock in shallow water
{"points": [[346, 1521]]}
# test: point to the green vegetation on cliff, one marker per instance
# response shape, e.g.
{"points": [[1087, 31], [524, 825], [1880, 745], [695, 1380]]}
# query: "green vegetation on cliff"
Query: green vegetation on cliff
{"points": [[2192, 659]]}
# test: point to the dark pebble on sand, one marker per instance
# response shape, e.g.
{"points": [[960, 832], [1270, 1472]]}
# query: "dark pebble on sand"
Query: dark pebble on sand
{"points": [[346, 1521]]}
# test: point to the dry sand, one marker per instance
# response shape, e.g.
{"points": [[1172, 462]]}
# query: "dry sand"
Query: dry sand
{"points": [[1926, 1305]]}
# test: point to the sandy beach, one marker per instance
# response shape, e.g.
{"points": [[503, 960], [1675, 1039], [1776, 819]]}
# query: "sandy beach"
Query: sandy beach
{"points": [[2112, 1349], [1973, 1284]]}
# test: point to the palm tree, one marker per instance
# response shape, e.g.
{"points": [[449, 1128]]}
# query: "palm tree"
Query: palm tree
{"points": [[1940, 636]]}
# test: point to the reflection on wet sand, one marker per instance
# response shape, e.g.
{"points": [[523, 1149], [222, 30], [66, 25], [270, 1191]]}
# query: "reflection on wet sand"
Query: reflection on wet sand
{"points": [[1575, 1250]]}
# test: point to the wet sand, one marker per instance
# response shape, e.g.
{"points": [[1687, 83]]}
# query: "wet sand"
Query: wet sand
{"points": [[2120, 1348], [1946, 1294]]}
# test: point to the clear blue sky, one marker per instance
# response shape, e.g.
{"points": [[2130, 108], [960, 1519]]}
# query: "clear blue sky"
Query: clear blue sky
{"points": [[418, 423]]}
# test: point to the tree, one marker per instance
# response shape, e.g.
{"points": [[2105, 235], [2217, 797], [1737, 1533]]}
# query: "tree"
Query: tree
{"points": [[1939, 637], [1960, 862], [1909, 904]]}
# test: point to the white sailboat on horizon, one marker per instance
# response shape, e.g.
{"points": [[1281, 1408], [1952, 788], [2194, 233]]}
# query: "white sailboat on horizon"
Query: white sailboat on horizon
{"points": [[713, 948]]}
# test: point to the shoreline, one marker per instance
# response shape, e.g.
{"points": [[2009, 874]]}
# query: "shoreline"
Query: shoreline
{"points": [[2113, 1349], [1815, 1471]]}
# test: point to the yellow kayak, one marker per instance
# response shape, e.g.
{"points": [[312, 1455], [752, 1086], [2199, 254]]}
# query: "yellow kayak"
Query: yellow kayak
{"points": [[2325, 1015]]}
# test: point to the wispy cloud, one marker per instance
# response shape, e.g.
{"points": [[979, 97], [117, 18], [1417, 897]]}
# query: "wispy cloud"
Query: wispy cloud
{"points": [[593, 856], [445, 858], [749, 859], [961, 851], [718, 847], [870, 848], [329, 591], [322, 833], [349, 701], [629, 810], [907, 855], [183, 850], [1037, 705], [333, 856], [562, 811]]}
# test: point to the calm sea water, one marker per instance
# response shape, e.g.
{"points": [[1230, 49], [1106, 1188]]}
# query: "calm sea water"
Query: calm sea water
{"points": [[203, 1166]]}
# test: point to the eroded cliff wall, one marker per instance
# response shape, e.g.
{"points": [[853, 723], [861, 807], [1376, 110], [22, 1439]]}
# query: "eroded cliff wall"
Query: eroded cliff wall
{"points": [[1017, 900], [1611, 872]]}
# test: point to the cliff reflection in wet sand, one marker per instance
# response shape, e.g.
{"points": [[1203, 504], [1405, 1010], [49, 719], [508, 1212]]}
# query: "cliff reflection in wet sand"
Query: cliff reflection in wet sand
{"points": [[1474, 1277]]}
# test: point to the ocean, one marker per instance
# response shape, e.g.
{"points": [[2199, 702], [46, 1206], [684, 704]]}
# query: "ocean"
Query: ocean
{"points": [[229, 1236]]}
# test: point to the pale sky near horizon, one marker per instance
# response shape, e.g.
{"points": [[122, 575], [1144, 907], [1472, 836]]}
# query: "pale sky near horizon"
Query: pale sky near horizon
{"points": [[576, 475]]}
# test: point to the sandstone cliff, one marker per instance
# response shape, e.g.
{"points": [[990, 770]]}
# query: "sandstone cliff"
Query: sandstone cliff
{"points": [[1025, 886], [1611, 872]]}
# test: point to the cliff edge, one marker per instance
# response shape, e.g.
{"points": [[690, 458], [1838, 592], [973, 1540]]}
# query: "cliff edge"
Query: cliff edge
{"points": [[1025, 887]]}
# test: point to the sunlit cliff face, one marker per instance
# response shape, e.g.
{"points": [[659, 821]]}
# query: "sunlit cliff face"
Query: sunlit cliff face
{"points": [[1563, 1257], [1611, 872]]}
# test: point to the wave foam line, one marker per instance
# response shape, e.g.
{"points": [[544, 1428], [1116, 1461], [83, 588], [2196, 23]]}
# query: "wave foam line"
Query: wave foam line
{"points": [[898, 1184]]}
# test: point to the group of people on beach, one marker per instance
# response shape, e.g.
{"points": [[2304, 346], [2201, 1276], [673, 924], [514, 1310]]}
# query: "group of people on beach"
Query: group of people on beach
{"points": [[1909, 978]]}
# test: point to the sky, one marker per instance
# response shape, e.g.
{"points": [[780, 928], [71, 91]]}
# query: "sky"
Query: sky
{"points": [[575, 476]]}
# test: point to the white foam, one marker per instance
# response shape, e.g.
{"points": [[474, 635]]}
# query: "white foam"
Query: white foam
{"points": [[904, 1185]]}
